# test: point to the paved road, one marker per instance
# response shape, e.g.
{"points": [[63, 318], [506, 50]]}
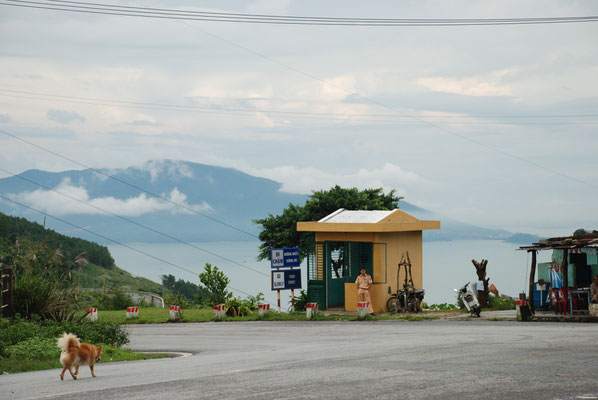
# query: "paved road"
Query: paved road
{"points": [[438, 359]]}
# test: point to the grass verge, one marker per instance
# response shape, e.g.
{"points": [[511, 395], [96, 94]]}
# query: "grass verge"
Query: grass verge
{"points": [[154, 315], [13, 365]]}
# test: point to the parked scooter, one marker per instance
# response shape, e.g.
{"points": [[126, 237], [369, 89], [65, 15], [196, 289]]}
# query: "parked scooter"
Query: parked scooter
{"points": [[469, 299]]}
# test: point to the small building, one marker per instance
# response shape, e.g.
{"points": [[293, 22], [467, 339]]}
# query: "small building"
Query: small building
{"points": [[347, 241], [573, 263]]}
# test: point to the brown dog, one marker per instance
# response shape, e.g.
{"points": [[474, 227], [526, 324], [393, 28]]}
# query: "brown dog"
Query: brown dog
{"points": [[77, 353]]}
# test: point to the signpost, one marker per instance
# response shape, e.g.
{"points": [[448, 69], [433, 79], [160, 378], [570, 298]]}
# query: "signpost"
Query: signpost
{"points": [[285, 279]]}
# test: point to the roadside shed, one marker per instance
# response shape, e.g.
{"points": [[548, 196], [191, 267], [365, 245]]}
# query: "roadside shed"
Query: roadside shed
{"points": [[348, 240], [567, 277]]}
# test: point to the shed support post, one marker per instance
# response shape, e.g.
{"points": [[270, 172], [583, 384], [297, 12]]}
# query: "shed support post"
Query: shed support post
{"points": [[532, 276]]}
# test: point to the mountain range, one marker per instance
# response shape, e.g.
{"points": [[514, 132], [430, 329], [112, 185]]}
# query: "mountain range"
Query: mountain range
{"points": [[219, 204]]}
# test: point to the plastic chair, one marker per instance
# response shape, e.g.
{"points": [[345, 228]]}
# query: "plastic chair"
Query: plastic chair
{"points": [[578, 303], [560, 305]]}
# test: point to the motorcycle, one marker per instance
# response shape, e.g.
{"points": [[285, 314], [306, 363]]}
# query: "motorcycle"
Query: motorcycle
{"points": [[469, 299], [407, 300]]}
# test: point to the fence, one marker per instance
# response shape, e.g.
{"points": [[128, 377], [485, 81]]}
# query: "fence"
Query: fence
{"points": [[6, 292]]}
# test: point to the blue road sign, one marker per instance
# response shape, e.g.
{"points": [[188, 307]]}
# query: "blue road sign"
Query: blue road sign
{"points": [[287, 257], [286, 279]]}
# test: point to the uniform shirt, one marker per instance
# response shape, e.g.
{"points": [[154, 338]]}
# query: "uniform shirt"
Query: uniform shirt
{"points": [[363, 282]]}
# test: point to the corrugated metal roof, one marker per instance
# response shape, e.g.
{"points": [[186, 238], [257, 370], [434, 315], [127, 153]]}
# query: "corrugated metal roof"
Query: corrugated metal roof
{"points": [[351, 216], [577, 240]]}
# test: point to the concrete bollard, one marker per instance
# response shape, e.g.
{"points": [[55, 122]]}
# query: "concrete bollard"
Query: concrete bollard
{"points": [[263, 309], [219, 312], [175, 313], [311, 309], [132, 312], [363, 309], [92, 314]]}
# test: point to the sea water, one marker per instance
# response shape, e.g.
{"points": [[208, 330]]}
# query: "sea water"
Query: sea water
{"points": [[447, 265]]}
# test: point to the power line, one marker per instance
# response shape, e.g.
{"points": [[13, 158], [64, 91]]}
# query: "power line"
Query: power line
{"points": [[189, 15], [112, 240], [382, 105], [129, 184], [344, 118], [419, 119], [132, 222], [249, 112]]}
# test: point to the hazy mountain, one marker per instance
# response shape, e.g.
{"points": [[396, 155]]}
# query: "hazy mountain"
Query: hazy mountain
{"points": [[222, 194]]}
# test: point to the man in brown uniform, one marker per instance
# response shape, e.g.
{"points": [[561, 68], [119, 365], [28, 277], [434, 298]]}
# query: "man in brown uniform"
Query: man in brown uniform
{"points": [[594, 290], [364, 284]]}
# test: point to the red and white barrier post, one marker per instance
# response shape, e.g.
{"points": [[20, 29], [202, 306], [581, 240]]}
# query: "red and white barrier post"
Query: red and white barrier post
{"points": [[363, 309], [175, 313], [311, 309], [263, 309], [92, 314], [132, 312], [219, 312]]}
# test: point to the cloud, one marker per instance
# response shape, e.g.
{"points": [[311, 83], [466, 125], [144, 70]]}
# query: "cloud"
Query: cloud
{"points": [[144, 122], [5, 118], [486, 85], [54, 203], [64, 117], [304, 180], [173, 169]]}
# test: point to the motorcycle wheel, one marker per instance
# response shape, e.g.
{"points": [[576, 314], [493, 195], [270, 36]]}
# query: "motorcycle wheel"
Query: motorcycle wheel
{"points": [[391, 304], [477, 311]]}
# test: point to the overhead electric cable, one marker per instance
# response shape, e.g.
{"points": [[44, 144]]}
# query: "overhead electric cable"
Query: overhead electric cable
{"points": [[129, 184], [344, 118], [112, 240], [190, 15], [463, 137], [382, 105], [250, 112], [131, 221]]}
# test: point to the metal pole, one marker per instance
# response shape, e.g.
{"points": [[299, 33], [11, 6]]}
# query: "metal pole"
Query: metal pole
{"points": [[532, 276], [278, 300]]}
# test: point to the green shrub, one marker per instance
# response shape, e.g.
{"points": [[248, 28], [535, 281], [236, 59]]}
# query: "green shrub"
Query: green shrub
{"points": [[236, 308], [19, 330], [497, 303], [35, 348], [176, 299], [301, 301], [252, 301], [121, 300]]}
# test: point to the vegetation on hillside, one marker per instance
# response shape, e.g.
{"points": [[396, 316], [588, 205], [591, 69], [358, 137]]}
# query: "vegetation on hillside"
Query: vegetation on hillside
{"points": [[189, 290], [13, 228]]}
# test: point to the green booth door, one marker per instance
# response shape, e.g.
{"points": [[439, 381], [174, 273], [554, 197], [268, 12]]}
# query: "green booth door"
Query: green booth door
{"points": [[343, 263]]}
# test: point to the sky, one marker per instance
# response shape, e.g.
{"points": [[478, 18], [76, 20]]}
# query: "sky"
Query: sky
{"points": [[491, 125]]}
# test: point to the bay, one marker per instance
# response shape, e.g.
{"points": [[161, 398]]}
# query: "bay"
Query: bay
{"points": [[447, 265]]}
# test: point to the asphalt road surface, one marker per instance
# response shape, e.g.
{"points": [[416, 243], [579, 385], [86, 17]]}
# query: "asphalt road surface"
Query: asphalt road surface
{"points": [[438, 359]]}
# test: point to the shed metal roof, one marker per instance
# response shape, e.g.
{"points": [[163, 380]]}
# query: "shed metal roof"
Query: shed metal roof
{"points": [[367, 221], [349, 216], [579, 239]]}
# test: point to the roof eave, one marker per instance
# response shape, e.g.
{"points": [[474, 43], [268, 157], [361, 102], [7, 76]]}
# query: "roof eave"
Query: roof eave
{"points": [[367, 227]]}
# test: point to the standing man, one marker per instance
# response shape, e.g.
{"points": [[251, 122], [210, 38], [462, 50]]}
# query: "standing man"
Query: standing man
{"points": [[594, 290], [364, 284]]}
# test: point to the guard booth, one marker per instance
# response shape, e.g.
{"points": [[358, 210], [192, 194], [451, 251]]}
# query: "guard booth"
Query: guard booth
{"points": [[347, 241]]}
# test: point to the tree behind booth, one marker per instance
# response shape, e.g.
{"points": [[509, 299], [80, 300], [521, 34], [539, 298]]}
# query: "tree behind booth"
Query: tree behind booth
{"points": [[281, 230]]}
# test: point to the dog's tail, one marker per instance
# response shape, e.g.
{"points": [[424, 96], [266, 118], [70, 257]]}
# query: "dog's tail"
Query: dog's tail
{"points": [[67, 341]]}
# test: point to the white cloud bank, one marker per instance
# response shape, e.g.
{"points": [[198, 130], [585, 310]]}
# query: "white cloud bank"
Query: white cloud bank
{"points": [[305, 180], [54, 203]]}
